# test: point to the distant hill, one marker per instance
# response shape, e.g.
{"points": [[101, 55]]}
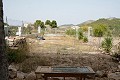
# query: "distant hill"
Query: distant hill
{"points": [[67, 25], [85, 23], [112, 23]]}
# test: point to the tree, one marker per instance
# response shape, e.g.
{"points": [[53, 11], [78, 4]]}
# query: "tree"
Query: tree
{"points": [[99, 30], [54, 24], [42, 25], [47, 22], [3, 55], [37, 23]]}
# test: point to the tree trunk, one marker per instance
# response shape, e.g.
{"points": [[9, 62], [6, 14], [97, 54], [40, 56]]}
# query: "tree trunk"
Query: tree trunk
{"points": [[3, 55]]}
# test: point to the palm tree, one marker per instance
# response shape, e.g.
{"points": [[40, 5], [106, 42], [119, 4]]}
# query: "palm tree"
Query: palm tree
{"points": [[3, 56]]}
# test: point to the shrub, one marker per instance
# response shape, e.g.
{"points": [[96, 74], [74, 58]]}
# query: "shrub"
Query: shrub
{"points": [[71, 32], [32, 63], [85, 39], [80, 34], [17, 55], [107, 44], [117, 52], [99, 30]]}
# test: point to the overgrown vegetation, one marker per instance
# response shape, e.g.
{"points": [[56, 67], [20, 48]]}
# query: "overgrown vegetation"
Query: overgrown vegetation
{"points": [[12, 30], [117, 52], [71, 32], [99, 30], [80, 34], [112, 24], [18, 55], [33, 62], [107, 44], [85, 39]]}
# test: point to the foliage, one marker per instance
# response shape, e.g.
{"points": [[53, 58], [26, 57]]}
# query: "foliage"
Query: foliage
{"points": [[47, 22], [42, 25], [12, 30], [107, 44], [37, 23], [85, 39], [99, 30], [27, 30], [54, 24], [71, 32], [84, 28], [17, 55], [80, 34], [112, 24]]}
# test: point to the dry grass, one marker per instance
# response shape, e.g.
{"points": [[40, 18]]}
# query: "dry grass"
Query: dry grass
{"points": [[61, 45]]}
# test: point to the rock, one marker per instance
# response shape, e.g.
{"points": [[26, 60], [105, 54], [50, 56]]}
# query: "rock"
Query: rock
{"points": [[103, 52], [12, 72], [119, 66], [18, 79], [99, 74], [107, 53], [20, 75], [115, 76], [31, 76]]}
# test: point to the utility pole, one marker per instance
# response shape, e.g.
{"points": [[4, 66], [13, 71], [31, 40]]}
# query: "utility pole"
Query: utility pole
{"points": [[7, 28]]}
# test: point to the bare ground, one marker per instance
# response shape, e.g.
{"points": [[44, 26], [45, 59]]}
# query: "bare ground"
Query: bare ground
{"points": [[67, 51]]}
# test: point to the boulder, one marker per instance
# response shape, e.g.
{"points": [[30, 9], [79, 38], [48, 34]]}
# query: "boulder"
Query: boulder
{"points": [[99, 74], [31, 76], [20, 75], [12, 72], [119, 67]]}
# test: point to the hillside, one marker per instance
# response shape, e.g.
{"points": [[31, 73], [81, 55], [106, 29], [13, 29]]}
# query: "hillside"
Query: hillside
{"points": [[85, 23], [112, 23]]}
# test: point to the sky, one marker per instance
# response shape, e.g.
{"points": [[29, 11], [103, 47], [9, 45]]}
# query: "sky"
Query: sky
{"points": [[63, 11]]}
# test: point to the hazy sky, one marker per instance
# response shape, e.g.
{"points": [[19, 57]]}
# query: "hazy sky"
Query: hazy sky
{"points": [[63, 11]]}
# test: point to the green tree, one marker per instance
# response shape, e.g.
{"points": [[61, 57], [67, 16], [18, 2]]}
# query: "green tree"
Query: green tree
{"points": [[3, 55], [99, 30], [54, 24], [47, 22], [42, 25], [37, 23]]}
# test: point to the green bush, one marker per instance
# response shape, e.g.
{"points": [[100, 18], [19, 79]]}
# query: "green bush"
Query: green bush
{"points": [[71, 32], [107, 44], [80, 34], [85, 39]]}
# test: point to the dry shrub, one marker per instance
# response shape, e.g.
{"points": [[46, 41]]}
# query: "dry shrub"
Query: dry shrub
{"points": [[32, 63], [18, 55]]}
